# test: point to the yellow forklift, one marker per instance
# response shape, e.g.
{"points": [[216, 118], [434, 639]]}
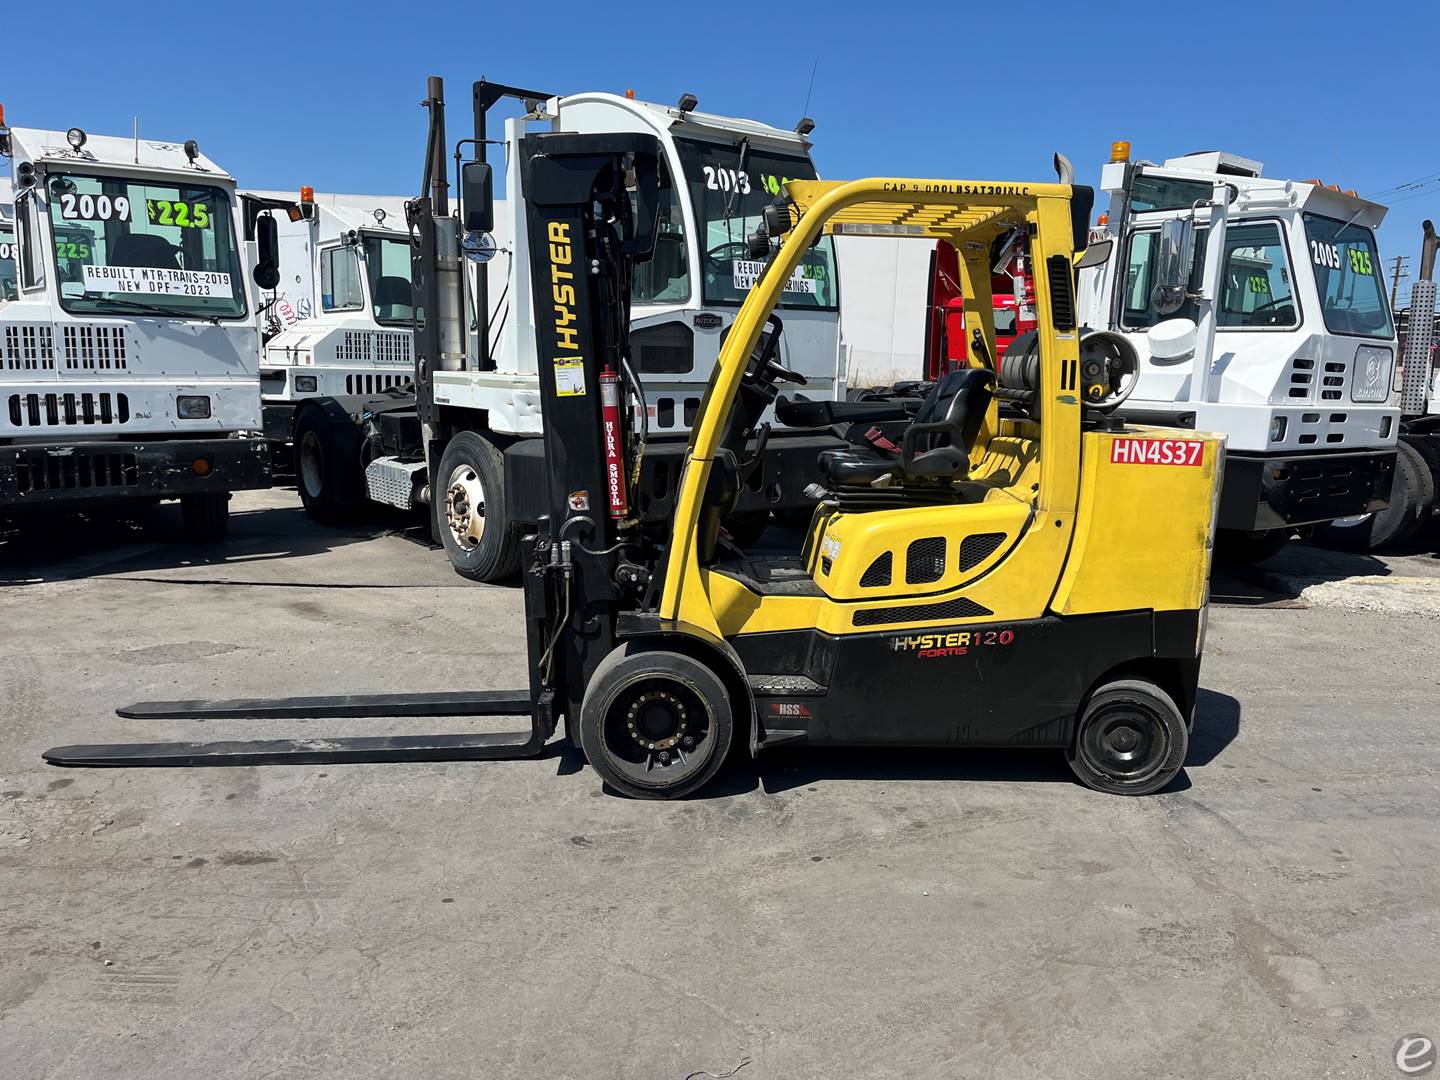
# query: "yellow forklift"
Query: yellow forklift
{"points": [[1021, 569]]}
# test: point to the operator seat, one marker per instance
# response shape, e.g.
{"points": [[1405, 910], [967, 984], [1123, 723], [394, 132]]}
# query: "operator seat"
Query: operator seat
{"points": [[394, 294], [146, 249], [937, 443]]}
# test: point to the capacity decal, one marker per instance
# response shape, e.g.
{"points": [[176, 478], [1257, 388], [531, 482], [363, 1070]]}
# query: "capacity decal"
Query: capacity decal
{"points": [[1157, 452], [954, 643]]}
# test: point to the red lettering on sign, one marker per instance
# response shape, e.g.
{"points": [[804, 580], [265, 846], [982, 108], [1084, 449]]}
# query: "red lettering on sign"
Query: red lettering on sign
{"points": [[1157, 452]]}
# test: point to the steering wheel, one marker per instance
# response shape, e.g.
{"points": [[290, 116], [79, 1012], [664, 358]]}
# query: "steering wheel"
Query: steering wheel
{"points": [[764, 365], [1250, 316], [727, 252]]}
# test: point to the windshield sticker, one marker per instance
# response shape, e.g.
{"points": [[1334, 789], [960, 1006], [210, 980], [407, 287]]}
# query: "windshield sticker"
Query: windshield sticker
{"points": [[71, 249], [727, 180], [182, 215], [803, 280], [154, 281], [75, 207]]}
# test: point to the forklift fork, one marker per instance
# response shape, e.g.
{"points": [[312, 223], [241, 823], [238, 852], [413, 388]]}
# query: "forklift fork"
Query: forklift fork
{"points": [[476, 746]]}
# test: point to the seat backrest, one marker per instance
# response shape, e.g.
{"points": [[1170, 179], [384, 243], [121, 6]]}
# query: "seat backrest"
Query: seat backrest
{"points": [[958, 402], [146, 249]]}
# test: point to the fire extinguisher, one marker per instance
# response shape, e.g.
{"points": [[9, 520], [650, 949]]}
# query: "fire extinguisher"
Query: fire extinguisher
{"points": [[613, 434]]}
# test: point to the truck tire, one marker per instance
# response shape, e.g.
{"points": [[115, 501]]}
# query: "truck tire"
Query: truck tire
{"points": [[1130, 739], [328, 471], [1235, 547], [205, 517], [1393, 525], [1428, 449], [655, 724], [481, 543]]}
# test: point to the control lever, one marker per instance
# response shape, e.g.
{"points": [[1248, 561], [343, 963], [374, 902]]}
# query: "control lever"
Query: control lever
{"points": [[749, 465]]}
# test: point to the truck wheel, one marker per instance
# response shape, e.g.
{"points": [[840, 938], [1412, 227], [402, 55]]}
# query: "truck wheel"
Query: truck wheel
{"points": [[1236, 547], [327, 466], [481, 543], [205, 518], [1392, 525], [1131, 739], [655, 724], [1428, 453]]}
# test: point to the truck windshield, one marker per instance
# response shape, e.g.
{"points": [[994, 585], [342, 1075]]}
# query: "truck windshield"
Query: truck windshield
{"points": [[123, 244], [716, 181], [1347, 276], [8, 286], [387, 262]]}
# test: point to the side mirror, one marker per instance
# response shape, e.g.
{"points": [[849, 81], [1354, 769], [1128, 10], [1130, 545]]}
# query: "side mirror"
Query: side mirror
{"points": [[267, 261], [1097, 254], [1171, 341], [1172, 265], [477, 195]]}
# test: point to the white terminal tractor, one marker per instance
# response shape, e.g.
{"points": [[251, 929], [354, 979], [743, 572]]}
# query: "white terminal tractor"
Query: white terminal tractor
{"points": [[476, 418], [1258, 310], [129, 353], [339, 321]]}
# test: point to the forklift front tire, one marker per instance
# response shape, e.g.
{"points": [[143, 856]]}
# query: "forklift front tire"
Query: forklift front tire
{"points": [[1131, 739], [481, 543], [655, 724]]}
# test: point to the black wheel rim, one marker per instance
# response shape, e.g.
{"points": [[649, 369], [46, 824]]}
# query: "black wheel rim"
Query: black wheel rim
{"points": [[1125, 742], [658, 731]]}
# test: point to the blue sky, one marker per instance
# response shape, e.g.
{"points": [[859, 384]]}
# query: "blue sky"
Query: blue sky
{"points": [[285, 94]]}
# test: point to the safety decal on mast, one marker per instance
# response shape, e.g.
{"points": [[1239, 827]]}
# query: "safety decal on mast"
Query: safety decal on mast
{"points": [[569, 364]]}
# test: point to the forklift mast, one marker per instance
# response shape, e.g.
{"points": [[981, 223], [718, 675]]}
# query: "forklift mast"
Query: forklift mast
{"points": [[592, 207]]}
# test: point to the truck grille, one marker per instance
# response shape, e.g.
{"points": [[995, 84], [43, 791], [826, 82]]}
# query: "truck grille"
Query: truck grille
{"points": [[374, 346], [54, 410], [373, 384], [28, 348], [91, 348], [40, 471]]}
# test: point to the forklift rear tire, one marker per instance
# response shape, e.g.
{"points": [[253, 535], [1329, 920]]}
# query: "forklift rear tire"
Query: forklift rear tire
{"points": [[655, 724], [205, 517], [327, 467], [1235, 547], [1131, 739], [481, 543]]}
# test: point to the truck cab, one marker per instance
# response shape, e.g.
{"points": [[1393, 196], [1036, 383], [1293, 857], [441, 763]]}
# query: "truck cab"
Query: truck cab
{"points": [[129, 354], [723, 171], [339, 321], [1288, 349]]}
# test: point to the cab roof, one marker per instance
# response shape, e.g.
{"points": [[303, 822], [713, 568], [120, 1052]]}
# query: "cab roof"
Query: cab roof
{"points": [[695, 122], [49, 147]]}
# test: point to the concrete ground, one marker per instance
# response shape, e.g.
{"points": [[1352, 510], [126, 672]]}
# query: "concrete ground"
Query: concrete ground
{"points": [[876, 914]]}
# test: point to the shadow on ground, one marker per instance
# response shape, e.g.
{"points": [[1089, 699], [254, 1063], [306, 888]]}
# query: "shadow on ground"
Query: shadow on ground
{"points": [[100, 544]]}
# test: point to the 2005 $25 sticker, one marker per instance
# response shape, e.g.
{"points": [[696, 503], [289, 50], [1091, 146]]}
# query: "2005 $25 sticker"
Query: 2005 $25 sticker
{"points": [[1157, 452]]}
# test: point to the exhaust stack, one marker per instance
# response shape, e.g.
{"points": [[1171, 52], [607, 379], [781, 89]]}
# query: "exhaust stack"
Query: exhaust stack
{"points": [[1420, 335]]}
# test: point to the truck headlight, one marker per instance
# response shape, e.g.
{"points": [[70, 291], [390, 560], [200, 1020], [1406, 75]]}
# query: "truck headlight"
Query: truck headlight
{"points": [[1277, 429], [307, 384], [192, 407]]}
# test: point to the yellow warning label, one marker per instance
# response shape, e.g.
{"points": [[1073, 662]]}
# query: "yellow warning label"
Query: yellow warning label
{"points": [[569, 376]]}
